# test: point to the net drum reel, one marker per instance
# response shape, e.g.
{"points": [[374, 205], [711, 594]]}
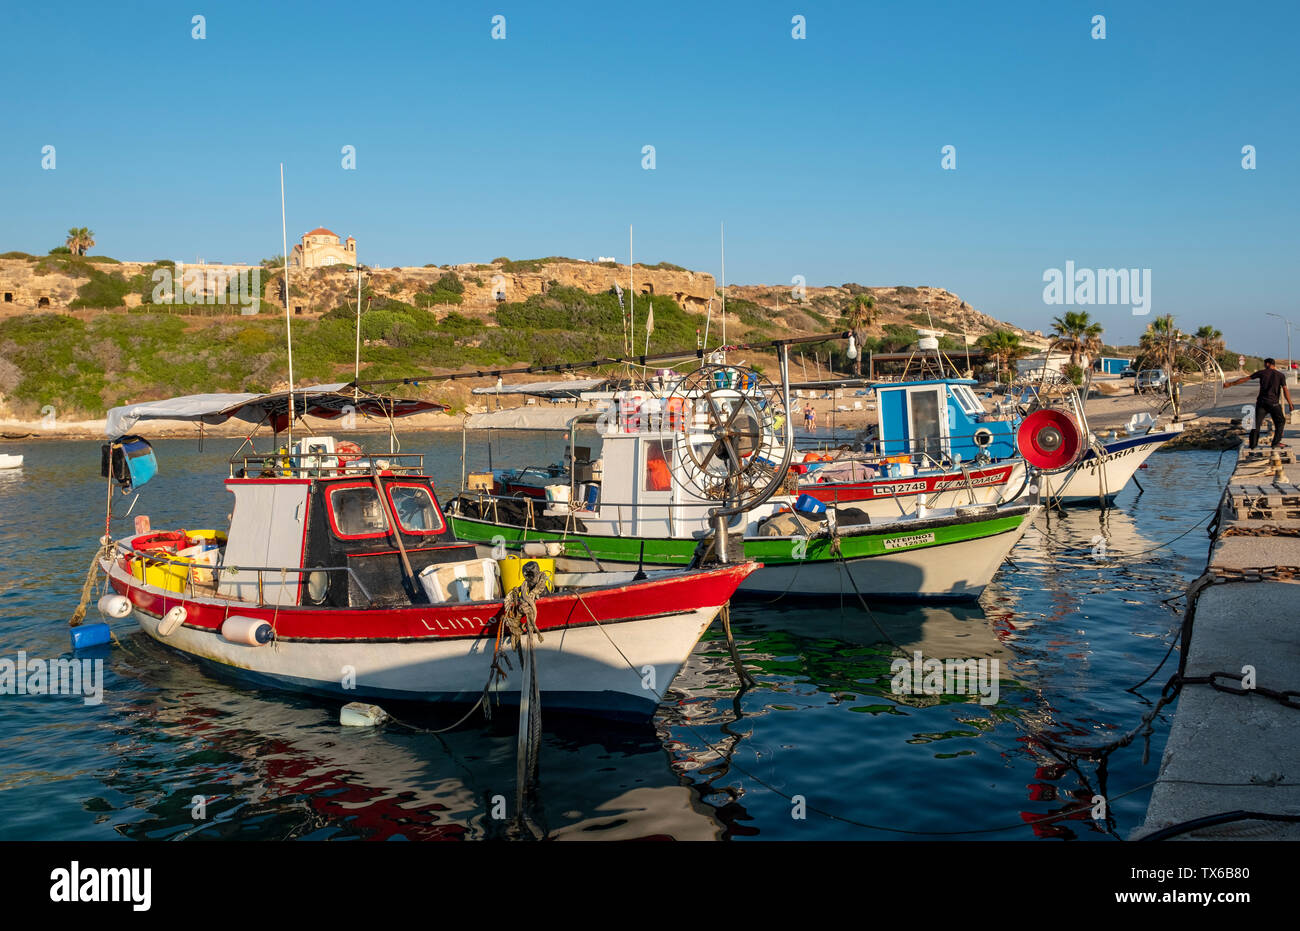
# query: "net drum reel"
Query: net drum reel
{"points": [[734, 449], [1050, 440]]}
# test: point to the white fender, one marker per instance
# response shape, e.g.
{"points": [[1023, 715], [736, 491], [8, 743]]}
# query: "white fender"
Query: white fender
{"points": [[171, 620], [118, 606], [250, 631]]}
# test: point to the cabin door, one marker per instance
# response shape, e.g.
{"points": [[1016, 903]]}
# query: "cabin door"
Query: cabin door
{"points": [[927, 421], [654, 487]]}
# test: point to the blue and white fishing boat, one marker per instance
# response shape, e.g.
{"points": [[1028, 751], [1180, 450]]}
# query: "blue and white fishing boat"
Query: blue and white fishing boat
{"points": [[939, 444]]}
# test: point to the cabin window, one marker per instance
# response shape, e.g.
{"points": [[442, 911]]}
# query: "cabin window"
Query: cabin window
{"points": [[657, 476], [414, 509], [355, 512], [966, 398]]}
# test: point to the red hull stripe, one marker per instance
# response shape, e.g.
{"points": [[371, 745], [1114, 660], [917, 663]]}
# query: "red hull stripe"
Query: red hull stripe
{"points": [[440, 636], [433, 622]]}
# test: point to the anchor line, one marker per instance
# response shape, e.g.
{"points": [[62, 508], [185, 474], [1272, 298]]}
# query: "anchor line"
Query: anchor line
{"points": [[441, 730], [839, 554], [602, 629], [1213, 515], [1289, 698]]}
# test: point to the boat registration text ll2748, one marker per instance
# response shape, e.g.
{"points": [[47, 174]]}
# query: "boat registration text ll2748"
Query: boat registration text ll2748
{"points": [[916, 539]]}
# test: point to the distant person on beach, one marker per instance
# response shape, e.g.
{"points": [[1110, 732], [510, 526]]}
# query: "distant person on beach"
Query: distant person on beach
{"points": [[809, 418], [1271, 382]]}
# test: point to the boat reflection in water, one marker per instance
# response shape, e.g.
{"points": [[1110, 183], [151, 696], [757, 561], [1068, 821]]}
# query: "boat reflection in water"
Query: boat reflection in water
{"points": [[832, 667], [282, 767], [1090, 572]]}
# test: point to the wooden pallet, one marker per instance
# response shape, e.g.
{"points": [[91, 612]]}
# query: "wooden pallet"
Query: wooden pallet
{"points": [[1264, 454], [1279, 501]]}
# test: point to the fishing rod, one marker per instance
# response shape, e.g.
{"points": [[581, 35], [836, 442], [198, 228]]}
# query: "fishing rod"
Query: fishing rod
{"points": [[643, 361]]}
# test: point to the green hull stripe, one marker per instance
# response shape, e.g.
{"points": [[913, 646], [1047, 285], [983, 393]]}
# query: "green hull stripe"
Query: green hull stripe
{"points": [[772, 551]]}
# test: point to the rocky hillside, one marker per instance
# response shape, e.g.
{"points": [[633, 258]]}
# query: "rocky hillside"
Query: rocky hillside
{"points": [[29, 283], [901, 306], [84, 334]]}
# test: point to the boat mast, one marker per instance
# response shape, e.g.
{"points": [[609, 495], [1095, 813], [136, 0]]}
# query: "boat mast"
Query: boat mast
{"points": [[631, 292], [288, 329], [722, 235], [356, 376]]}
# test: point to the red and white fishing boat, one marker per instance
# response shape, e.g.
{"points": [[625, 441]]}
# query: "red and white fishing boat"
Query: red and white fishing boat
{"points": [[951, 487], [339, 575]]}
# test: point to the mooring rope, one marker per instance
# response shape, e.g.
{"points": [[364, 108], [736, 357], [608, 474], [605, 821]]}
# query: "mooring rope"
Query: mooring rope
{"points": [[88, 586]]}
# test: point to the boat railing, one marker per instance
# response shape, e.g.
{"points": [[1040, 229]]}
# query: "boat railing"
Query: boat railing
{"points": [[324, 465], [191, 567]]}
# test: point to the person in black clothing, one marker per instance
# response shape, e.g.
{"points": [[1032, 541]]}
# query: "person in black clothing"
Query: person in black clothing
{"points": [[1271, 382]]}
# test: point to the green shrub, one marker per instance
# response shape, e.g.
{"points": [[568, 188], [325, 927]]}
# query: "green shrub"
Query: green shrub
{"points": [[896, 337], [430, 298], [450, 282], [459, 325], [749, 313], [665, 266], [567, 323], [102, 290]]}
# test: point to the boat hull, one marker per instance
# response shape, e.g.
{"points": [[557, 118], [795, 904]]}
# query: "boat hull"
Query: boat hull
{"points": [[620, 667], [941, 559], [888, 497], [1099, 478]]}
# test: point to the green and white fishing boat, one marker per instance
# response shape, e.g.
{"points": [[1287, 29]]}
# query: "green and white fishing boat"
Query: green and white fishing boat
{"points": [[674, 465]]}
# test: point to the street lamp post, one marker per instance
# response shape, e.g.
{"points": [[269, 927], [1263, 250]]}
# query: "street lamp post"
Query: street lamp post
{"points": [[1288, 344]]}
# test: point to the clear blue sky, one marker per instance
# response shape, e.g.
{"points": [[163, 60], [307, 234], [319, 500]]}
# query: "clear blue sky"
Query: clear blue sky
{"points": [[822, 156]]}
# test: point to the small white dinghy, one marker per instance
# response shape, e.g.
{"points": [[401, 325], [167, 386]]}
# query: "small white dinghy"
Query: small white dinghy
{"points": [[10, 462]]}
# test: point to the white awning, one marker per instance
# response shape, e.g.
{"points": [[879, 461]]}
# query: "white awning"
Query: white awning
{"points": [[208, 408], [530, 418], [326, 401]]}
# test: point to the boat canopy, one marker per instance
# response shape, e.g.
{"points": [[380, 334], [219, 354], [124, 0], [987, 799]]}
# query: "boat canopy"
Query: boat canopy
{"points": [[531, 418], [569, 388], [326, 401]]}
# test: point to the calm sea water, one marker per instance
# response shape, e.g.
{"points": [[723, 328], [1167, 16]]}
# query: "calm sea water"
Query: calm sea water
{"points": [[820, 748]]}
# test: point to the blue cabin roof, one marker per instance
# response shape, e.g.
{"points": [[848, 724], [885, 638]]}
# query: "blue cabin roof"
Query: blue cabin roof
{"points": [[889, 386], [942, 418]]}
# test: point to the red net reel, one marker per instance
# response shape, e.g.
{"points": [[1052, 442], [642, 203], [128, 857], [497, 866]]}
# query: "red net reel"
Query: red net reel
{"points": [[1050, 440]]}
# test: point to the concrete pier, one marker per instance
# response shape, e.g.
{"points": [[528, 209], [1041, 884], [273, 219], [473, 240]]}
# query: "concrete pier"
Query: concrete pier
{"points": [[1231, 752]]}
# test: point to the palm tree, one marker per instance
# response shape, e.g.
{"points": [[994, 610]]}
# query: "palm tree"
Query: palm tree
{"points": [[1077, 332], [1211, 340], [1004, 346], [79, 240], [1157, 343], [862, 313]]}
